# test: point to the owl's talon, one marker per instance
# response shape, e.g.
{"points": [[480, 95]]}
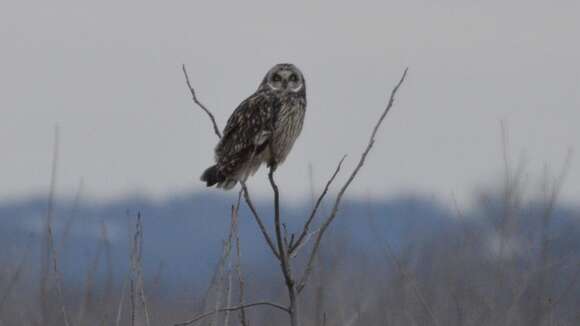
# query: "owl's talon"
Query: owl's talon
{"points": [[273, 165]]}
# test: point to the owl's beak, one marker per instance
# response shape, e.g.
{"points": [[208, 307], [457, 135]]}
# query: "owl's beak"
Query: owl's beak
{"points": [[285, 84]]}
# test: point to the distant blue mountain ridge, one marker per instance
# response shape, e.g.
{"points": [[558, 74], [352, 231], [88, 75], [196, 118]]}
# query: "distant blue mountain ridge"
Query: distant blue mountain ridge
{"points": [[183, 234]]}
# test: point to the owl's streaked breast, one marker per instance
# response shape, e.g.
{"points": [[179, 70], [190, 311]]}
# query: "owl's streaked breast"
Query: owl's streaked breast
{"points": [[288, 125]]}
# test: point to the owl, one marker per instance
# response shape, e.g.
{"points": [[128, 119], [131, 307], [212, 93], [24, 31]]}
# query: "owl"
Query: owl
{"points": [[262, 129]]}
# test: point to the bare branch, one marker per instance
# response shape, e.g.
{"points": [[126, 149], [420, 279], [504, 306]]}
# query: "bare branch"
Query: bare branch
{"points": [[285, 237], [304, 242], [315, 209], [338, 199], [258, 219], [283, 250], [277, 225], [194, 97], [207, 314]]}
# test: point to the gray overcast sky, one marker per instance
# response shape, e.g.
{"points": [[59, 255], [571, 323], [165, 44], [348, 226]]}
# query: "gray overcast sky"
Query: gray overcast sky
{"points": [[108, 73]]}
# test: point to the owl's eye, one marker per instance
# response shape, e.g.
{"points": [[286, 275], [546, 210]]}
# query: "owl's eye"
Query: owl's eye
{"points": [[293, 78], [276, 78]]}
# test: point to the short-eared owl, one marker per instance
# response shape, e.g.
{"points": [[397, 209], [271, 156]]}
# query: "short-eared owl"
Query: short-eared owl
{"points": [[262, 129]]}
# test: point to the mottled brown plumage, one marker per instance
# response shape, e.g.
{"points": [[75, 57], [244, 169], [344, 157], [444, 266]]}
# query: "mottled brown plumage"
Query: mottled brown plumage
{"points": [[262, 129]]}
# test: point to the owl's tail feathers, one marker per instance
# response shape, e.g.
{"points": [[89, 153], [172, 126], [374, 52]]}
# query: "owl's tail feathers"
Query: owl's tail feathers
{"points": [[212, 176]]}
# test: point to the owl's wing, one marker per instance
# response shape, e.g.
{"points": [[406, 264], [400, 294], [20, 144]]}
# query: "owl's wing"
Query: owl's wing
{"points": [[247, 131]]}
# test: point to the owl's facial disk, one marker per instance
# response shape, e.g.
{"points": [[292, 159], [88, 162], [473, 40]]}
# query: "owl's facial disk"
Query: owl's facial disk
{"points": [[285, 79]]}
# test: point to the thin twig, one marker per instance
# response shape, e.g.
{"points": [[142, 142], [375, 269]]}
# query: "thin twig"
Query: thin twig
{"points": [[304, 242], [338, 199], [194, 97], [258, 219], [285, 237], [277, 225], [306, 227], [207, 314]]}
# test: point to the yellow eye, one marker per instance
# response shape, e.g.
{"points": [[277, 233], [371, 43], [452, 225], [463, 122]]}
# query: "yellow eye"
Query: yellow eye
{"points": [[293, 78], [276, 78]]}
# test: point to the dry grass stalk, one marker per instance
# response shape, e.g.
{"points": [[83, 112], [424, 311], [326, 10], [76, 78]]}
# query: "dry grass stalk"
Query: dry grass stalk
{"points": [[407, 277], [228, 294], [89, 290], [72, 216], [50, 242], [238, 265], [121, 302], [15, 277], [224, 284], [139, 309]]}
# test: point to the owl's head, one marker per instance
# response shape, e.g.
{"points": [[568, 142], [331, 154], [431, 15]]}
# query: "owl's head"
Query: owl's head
{"points": [[284, 77]]}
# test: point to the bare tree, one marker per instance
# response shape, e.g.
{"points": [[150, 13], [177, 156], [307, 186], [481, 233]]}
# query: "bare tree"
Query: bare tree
{"points": [[285, 249]]}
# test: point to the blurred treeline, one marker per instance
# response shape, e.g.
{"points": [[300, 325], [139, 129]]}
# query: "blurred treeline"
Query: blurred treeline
{"points": [[512, 258]]}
